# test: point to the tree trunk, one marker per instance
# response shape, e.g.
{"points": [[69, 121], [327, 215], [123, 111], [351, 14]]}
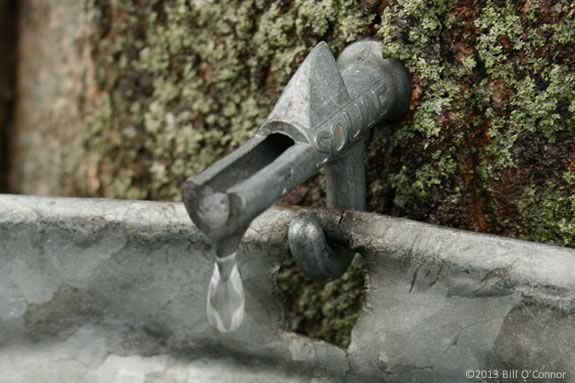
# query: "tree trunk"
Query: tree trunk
{"points": [[154, 91], [55, 40]]}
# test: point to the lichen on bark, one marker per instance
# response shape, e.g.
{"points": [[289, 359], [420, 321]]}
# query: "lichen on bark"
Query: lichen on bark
{"points": [[181, 83], [491, 113], [488, 143]]}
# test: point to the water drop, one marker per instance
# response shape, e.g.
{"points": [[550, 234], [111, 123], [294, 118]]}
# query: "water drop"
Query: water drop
{"points": [[226, 300]]}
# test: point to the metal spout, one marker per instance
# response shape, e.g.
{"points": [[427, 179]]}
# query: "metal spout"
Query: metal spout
{"points": [[223, 200], [321, 120]]}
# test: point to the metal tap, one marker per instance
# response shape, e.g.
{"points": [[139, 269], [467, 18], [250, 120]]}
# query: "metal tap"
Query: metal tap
{"points": [[321, 120]]}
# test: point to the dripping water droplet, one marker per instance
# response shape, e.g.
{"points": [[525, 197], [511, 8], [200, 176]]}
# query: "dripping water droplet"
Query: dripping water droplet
{"points": [[226, 300]]}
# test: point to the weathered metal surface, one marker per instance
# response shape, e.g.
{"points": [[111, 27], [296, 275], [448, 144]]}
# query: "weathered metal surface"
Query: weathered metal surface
{"points": [[114, 291]]}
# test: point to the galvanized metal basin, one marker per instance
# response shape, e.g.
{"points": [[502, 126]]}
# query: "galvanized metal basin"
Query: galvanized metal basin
{"points": [[114, 291]]}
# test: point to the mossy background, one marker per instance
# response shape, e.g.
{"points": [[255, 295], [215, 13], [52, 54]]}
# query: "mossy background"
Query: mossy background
{"points": [[488, 144]]}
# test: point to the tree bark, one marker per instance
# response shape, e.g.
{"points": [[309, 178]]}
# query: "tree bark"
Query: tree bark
{"points": [[54, 59]]}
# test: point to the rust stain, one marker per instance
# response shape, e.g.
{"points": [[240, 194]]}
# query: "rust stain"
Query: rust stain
{"points": [[205, 72], [527, 6], [271, 84], [459, 41], [284, 6], [486, 136], [478, 202], [382, 6], [416, 92], [462, 12], [541, 52], [506, 194], [500, 94], [462, 51], [505, 42], [548, 14], [475, 202]]}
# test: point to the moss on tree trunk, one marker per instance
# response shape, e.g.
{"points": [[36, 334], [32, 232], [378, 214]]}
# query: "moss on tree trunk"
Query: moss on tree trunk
{"points": [[488, 144]]}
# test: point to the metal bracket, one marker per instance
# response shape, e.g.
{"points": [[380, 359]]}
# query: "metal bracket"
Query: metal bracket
{"points": [[378, 90], [321, 120]]}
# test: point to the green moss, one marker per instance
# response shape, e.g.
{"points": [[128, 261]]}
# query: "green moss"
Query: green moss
{"points": [[182, 83], [413, 31], [323, 310], [548, 215], [486, 77], [534, 94]]}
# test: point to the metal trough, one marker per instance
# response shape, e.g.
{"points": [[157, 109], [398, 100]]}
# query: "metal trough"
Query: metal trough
{"points": [[114, 291]]}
